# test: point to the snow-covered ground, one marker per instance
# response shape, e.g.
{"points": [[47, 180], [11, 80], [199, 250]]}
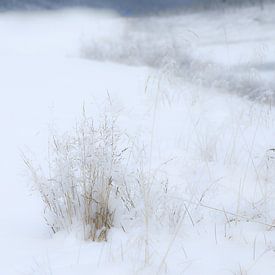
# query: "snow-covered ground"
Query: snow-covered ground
{"points": [[196, 91]]}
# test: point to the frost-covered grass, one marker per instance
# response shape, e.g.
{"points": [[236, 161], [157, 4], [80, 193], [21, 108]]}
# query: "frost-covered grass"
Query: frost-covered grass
{"points": [[200, 155], [84, 178]]}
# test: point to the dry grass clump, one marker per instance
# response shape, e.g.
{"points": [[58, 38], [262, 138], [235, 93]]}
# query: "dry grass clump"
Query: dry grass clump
{"points": [[91, 176], [84, 182]]}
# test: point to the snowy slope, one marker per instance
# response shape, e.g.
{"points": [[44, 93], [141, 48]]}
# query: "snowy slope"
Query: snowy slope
{"points": [[189, 88]]}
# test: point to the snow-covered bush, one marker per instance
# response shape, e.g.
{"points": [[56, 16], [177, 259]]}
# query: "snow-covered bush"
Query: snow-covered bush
{"points": [[84, 183]]}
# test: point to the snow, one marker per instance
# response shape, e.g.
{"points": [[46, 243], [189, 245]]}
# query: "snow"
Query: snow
{"points": [[196, 90]]}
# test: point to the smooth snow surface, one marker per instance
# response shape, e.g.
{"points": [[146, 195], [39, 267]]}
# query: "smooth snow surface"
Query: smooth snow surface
{"points": [[195, 90]]}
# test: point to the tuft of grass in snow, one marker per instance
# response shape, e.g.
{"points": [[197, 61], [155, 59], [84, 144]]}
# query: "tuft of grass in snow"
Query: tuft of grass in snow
{"points": [[84, 180]]}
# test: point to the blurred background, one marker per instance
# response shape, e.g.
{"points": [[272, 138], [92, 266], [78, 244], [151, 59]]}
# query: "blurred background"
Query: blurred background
{"points": [[129, 7]]}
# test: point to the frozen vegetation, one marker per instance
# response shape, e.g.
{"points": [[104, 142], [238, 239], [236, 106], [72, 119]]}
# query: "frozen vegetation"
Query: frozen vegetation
{"points": [[137, 145]]}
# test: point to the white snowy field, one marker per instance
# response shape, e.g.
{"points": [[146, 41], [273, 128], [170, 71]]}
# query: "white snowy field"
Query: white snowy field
{"points": [[194, 91]]}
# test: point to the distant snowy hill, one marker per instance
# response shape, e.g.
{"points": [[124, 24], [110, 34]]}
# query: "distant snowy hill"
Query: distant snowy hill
{"points": [[126, 7]]}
